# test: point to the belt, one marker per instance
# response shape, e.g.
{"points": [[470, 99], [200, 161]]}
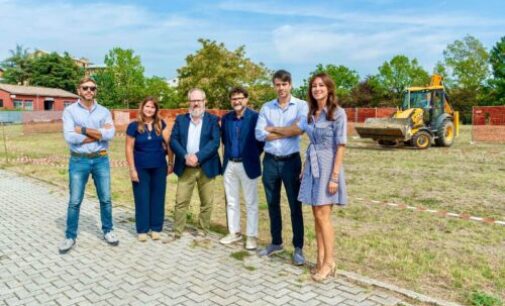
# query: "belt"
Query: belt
{"points": [[282, 157], [236, 160], [89, 155]]}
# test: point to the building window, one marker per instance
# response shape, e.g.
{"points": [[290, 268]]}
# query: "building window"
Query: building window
{"points": [[67, 103], [18, 104], [1, 103], [28, 105]]}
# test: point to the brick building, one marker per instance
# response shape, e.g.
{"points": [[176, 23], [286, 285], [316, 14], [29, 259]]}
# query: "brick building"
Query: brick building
{"points": [[30, 98]]}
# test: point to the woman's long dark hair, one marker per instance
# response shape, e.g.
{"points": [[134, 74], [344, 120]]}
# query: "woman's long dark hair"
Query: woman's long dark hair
{"points": [[331, 102], [156, 118]]}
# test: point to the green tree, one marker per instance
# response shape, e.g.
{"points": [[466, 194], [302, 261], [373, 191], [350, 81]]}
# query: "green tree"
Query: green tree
{"points": [[467, 64], [16, 66], [122, 83], [369, 93], [345, 79], [157, 87], [497, 60], [401, 72], [54, 70], [216, 69]]}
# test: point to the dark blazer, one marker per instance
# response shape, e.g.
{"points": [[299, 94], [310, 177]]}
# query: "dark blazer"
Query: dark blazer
{"points": [[208, 156], [250, 148]]}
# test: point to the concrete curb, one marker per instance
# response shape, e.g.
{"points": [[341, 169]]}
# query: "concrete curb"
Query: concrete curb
{"points": [[363, 280]]}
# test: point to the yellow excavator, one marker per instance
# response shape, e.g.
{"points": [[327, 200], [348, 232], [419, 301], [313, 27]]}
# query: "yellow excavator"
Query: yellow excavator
{"points": [[425, 118]]}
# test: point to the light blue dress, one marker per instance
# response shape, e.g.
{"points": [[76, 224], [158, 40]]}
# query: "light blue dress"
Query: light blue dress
{"points": [[325, 136]]}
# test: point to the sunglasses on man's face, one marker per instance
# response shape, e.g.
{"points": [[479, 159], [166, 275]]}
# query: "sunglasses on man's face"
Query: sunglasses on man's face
{"points": [[90, 88]]}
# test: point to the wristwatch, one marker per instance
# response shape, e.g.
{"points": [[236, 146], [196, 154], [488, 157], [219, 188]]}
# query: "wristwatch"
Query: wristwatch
{"points": [[83, 130]]}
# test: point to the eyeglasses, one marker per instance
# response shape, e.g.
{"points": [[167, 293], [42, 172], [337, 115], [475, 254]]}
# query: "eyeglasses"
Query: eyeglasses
{"points": [[90, 88], [238, 98], [197, 101]]}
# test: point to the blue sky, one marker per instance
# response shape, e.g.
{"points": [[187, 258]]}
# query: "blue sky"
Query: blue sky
{"points": [[293, 35]]}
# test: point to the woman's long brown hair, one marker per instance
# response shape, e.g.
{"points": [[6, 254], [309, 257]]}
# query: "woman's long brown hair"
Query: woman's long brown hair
{"points": [[331, 101], [141, 120]]}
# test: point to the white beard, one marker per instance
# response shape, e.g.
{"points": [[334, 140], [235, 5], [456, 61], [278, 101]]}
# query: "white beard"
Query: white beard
{"points": [[197, 112]]}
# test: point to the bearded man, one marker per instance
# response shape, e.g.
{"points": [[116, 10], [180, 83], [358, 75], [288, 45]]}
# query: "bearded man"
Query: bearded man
{"points": [[195, 141], [242, 167]]}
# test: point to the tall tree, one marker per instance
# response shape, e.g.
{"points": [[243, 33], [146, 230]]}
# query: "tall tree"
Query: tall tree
{"points": [[345, 79], [401, 72], [122, 82], [158, 87], [467, 64], [54, 70], [216, 69], [369, 93], [497, 60], [16, 66]]}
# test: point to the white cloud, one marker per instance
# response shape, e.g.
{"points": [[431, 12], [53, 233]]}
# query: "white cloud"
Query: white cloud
{"points": [[91, 29], [294, 36], [417, 16]]}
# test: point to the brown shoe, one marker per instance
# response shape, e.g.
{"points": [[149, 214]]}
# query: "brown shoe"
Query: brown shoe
{"points": [[155, 235], [171, 238], [142, 237]]}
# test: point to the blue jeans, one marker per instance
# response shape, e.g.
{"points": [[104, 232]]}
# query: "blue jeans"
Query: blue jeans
{"points": [[287, 172], [149, 195], [79, 170]]}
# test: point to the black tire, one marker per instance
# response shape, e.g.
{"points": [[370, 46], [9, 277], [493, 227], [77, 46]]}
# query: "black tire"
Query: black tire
{"points": [[388, 143], [421, 140], [445, 134]]}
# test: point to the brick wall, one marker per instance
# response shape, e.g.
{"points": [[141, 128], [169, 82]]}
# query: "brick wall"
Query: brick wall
{"points": [[488, 124]]}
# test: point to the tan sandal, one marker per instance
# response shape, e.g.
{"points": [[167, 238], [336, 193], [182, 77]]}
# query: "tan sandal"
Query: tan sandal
{"points": [[142, 237], [320, 277]]}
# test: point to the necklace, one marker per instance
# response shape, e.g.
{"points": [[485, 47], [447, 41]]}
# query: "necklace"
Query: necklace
{"points": [[149, 137]]}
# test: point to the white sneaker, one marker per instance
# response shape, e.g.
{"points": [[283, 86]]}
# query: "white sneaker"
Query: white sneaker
{"points": [[66, 245], [111, 238], [231, 238], [250, 243]]}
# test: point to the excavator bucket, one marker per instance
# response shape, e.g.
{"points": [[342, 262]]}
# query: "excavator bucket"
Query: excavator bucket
{"points": [[384, 129]]}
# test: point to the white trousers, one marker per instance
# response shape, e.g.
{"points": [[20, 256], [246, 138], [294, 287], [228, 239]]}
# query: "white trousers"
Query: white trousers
{"points": [[234, 176]]}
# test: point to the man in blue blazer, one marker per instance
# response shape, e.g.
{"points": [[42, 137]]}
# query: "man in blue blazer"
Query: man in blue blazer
{"points": [[242, 166], [195, 142]]}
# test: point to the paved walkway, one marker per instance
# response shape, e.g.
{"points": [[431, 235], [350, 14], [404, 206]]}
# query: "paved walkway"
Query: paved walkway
{"points": [[181, 273]]}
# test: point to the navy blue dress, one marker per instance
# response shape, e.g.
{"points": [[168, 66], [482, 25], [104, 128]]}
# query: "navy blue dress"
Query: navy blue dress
{"points": [[149, 193]]}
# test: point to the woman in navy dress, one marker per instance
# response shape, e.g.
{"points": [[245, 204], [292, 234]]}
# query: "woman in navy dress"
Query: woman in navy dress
{"points": [[146, 154], [323, 179]]}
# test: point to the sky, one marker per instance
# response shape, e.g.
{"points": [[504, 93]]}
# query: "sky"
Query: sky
{"points": [[292, 35]]}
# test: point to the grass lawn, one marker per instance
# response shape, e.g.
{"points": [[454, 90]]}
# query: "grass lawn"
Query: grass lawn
{"points": [[449, 258]]}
